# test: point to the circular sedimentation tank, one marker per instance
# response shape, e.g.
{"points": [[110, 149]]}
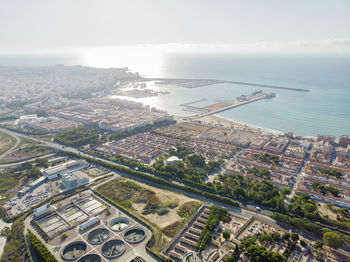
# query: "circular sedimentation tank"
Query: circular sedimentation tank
{"points": [[134, 235], [119, 224], [98, 236], [113, 248], [90, 258], [73, 250]]}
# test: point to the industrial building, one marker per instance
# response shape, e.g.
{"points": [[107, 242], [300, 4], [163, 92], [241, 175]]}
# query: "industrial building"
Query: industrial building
{"points": [[73, 180]]}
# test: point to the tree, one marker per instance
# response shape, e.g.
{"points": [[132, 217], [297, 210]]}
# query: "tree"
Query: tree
{"points": [[226, 234], [295, 236], [318, 244], [42, 162], [286, 236], [333, 239]]}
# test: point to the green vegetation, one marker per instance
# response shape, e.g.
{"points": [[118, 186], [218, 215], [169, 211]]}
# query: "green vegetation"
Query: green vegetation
{"points": [[267, 158], [172, 229], [260, 253], [263, 172], [318, 244], [217, 214], [127, 192], [15, 248], [79, 136], [294, 236], [43, 162], [6, 231], [193, 168], [199, 190], [243, 188], [316, 186], [23, 130], [8, 180], [40, 249], [226, 234], [180, 151], [330, 172], [188, 209], [32, 173], [303, 206], [185, 211], [26, 149], [6, 142], [305, 224], [333, 239]]}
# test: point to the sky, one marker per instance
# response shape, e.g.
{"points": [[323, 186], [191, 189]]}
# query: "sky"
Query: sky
{"points": [[244, 26]]}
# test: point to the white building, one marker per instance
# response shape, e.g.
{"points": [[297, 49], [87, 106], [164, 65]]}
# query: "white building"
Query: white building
{"points": [[59, 170], [73, 180], [43, 210], [172, 160]]}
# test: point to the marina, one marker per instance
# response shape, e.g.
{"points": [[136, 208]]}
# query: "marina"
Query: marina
{"points": [[226, 105]]}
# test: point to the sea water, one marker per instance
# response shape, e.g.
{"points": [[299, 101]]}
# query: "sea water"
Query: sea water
{"points": [[323, 110]]}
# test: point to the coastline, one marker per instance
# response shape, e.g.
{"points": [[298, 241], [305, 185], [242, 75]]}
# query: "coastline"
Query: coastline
{"points": [[260, 128], [216, 120]]}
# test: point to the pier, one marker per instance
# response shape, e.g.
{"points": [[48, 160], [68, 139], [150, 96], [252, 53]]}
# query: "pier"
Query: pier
{"points": [[226, 105], [204, 82]]}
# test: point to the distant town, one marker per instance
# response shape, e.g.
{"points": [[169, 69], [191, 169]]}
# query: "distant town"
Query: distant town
{"points": [[86, 175]]}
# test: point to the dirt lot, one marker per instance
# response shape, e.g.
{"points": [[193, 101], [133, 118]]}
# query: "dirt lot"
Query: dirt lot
{"points": [[6, 142], [188, 129], [324, 210], [147, 201], [27, 149]]}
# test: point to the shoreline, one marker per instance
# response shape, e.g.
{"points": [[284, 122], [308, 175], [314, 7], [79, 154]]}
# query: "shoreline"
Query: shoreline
{"points": [[259, 128], [229, 123], [219, 121]]}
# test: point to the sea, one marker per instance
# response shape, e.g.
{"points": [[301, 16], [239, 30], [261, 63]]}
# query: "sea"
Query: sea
{"points": [[323, 110]]}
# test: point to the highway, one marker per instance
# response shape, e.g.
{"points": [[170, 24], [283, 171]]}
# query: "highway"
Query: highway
{"points": [[18, 141], [246, 210]]}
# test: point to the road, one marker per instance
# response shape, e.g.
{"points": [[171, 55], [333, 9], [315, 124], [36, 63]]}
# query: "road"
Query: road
{"points": [[18, 141], [246, 210], [249, 208]]}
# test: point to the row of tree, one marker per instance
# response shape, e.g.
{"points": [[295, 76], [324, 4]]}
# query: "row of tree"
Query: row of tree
{"points": [[40, 249], [217, 214]]}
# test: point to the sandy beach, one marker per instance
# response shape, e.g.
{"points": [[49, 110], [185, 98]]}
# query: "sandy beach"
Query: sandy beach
{"points": [[218, 121]]}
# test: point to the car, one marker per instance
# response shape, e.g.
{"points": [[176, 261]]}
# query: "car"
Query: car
{"points": [[258, 209]]}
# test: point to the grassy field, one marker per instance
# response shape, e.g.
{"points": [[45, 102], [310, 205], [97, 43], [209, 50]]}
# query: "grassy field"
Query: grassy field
{"points": [[6, 142], [27, 149], [7, 181], [165, 211], [185, 211]]}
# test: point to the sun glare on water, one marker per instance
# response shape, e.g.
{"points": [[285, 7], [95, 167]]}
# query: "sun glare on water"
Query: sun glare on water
{"points": [[146, 60]]}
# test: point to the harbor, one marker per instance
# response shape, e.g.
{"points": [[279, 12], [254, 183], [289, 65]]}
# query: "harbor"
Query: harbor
{"points": [[226, 104]]}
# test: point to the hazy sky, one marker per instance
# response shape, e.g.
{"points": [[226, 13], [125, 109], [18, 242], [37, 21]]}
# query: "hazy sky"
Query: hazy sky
{"points": [[44, 25]]}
